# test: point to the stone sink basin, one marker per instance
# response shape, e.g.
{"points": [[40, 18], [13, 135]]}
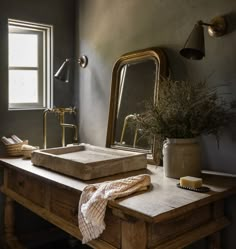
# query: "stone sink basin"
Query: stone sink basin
{"points": [[88, 162]]}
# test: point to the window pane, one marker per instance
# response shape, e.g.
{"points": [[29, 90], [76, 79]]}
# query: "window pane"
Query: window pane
{"points": [[23, 50], [23, 86]]}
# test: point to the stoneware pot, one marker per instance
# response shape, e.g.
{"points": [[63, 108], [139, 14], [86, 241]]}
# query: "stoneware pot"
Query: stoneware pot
{"points": [[181, 157]]}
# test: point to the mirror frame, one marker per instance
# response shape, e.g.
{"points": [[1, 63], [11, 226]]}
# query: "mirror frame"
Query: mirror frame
{"points": [[159, 56]]}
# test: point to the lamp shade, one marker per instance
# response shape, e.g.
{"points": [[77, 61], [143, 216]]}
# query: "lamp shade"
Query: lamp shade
{"points": [[194, 47], [63, 73]]}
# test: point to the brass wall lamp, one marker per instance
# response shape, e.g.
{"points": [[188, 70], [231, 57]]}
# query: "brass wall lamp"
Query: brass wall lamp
{"points": [[194, 47], [63, 73]]}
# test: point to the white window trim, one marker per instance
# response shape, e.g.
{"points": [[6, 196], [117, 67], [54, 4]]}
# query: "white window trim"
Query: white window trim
{"points": [[47, 77]]}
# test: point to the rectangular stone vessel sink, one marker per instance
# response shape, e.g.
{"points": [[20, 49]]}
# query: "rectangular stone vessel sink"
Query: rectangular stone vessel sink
{"points": [[87, 162]]}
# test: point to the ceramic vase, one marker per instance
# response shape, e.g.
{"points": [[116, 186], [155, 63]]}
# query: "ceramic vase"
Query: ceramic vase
{"points": [[181, 157]]}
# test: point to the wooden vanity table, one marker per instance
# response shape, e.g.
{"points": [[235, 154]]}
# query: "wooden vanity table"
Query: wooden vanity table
{"points": [[165, 217]]}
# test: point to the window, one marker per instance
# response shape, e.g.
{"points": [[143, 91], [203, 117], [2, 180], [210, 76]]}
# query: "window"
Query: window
{"points": [[30, 65]]}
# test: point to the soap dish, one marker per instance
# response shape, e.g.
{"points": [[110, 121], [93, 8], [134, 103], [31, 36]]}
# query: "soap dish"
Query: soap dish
{"points": [[200, 190]]}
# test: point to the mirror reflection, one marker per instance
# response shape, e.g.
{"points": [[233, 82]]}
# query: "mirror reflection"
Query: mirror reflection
{"points": [[136, 87], [135, 81]]}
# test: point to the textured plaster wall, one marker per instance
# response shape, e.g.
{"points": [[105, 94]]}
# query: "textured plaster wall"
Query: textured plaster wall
{"points": [[29, 124], [108, 29], [60, 14]]}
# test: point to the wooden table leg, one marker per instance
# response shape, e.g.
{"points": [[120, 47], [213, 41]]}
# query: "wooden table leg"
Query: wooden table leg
{"points": [[214, 241], [10, 240]]}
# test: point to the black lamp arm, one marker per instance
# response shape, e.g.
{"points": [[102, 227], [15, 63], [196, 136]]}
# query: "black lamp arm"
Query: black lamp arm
{"points": [[205, 24]]}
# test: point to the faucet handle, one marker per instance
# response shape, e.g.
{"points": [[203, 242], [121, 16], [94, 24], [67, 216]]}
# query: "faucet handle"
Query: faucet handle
{"points": [[73, 110]]}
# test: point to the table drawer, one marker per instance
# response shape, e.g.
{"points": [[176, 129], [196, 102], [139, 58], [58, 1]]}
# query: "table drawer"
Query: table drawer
{"points": [[166, 230], [64, 203], [27, 186]]}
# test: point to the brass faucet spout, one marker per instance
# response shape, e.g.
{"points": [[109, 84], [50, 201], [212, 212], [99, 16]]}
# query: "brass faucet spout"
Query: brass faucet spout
{"points": [[73, 127]]}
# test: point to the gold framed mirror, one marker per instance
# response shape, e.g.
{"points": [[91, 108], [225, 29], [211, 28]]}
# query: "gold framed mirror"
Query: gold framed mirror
{"points": [[135, 80]]}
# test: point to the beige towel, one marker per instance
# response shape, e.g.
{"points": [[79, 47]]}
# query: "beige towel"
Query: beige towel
{"points": [[94, 198]]}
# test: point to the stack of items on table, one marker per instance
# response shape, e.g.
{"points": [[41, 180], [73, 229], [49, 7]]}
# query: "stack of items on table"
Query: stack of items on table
{"points": [[17, 147]]}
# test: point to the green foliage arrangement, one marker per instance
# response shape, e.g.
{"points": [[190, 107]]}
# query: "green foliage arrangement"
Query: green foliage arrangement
{"points": [[185, 109]]}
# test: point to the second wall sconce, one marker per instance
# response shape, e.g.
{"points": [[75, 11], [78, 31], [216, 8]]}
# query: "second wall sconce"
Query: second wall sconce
{"points": [[194, 47], [63, 73]]}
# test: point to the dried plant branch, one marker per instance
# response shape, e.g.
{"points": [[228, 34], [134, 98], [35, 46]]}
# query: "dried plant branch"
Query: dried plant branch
{"points": [[185, 110]]}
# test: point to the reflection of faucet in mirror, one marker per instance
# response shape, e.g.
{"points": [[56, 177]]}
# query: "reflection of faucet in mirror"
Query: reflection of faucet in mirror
{"points": [[136, 77], [128, 118], [61, 112]]}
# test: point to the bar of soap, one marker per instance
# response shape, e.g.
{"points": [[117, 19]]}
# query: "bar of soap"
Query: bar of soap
{"points": [[28, 147], [190, 182]]}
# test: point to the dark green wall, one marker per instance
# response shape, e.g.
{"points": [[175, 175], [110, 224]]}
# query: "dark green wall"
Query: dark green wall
{"points": [[108, 29], [29, 124], [60, 14]]}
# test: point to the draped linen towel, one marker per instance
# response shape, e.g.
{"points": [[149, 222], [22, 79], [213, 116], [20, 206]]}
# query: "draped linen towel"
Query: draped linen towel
{"points": [[94, 199]]}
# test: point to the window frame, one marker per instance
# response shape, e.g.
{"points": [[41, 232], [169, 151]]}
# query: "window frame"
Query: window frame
{"points": [[45, 65]]}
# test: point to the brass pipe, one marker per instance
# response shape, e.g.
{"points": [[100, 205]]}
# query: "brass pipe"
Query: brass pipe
{"points": [[64, 125], [135, 137], [62, 118], [45, 127], [61, 112], [127, 118]]}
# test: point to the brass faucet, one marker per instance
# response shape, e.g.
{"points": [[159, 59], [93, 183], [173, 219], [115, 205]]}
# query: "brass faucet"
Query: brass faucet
{"points": [[61, 112], [129, 117]]}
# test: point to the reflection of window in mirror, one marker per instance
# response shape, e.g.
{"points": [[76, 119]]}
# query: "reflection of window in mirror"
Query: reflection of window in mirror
{"points": [[137, 86], [121, 86]]}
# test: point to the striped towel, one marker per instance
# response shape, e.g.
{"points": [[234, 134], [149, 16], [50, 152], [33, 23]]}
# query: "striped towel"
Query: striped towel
{"points": [[94, 198]]}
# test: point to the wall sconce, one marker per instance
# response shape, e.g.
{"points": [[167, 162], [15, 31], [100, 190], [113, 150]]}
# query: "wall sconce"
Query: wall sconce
{"points": [[194, 47], [63, 73]]}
